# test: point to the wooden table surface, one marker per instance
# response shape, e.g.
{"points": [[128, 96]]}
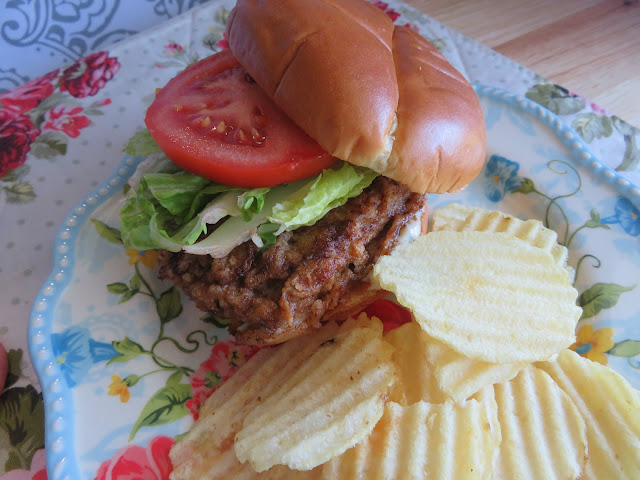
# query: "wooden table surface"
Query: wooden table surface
{"points": [[591, 47]]}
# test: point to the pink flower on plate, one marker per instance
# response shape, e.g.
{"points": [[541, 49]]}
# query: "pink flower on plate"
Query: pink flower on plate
{"points": [[391, 13], [85, 77], [594, 106], [17, 133], [67, 120], [412, 27], [225, 359], [134, 462], [173, 49], [223, 44], [597, 108], [38, 469], [27, 97]]}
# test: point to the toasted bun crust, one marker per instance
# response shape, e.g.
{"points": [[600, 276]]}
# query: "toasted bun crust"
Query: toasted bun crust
{"points": [[370, 93], [294, 48], [440, 141]]}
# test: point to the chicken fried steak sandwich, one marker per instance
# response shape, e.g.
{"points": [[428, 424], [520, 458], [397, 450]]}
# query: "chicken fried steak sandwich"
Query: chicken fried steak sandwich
{"points": [[298, 158]]}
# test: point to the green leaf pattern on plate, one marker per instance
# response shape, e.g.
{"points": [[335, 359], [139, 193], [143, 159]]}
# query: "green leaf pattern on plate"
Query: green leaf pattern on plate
{"points": [[168, 404], [169, 305], [165, 406], [589, 120], [600, 296]]}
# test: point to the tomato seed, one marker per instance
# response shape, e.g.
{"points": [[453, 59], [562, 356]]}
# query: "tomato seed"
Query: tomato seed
{"points": [[258, 138], [241, 136]]}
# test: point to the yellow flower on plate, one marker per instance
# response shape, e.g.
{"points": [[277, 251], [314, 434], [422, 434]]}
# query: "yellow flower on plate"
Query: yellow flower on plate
{"points": [[149, 258], [119, 387], [593, 344]]}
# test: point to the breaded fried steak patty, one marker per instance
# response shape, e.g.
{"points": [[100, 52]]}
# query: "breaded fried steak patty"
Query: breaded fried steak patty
{"points": [[297, 283]]}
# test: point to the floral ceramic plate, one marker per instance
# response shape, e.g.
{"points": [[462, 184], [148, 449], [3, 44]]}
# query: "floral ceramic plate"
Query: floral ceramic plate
{"points": [[125, 360]]}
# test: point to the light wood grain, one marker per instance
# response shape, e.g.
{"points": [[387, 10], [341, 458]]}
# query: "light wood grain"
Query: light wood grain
{"points": [[591, 47]]}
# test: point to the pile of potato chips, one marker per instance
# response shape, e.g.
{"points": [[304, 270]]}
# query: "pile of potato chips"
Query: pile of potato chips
{"points": [[480, 385]]}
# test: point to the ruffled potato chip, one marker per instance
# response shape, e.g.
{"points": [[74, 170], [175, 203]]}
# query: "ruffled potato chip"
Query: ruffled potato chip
{"points": [[610, 407], [331, 402], [489, 296], [420, 441], [429, 370], [461, 218], [460, 377], [206, 451], [543, 434], [416, 380]]}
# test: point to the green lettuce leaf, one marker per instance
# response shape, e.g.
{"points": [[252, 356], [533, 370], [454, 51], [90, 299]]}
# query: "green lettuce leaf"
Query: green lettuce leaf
{"points": [[223, 206], [251, 202], [169, 210], [144, 228], [175, 192], [141, 144], [331, 189], [267, 234], [152, 164]]}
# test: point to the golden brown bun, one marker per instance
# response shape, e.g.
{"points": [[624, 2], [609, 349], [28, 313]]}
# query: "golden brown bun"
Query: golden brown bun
{"points": [[294, 48], [370, 94], [440, 141]]}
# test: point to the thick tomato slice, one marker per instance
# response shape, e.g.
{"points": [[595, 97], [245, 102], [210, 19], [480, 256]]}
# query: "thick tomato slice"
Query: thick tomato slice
{"points": [[215, 121]]}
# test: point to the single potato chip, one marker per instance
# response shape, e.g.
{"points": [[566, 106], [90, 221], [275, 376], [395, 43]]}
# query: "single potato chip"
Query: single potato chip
{"points": [[422, 441], [331, 402], [460, 218], [206, 451], [416, 380], [610, 407], [489, 296], [280, 472], [543, 434], [460, 377], [451, 217]]}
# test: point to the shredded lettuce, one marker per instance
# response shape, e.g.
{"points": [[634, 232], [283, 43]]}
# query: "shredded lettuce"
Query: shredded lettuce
{"points": [[236, 230], [252, 202], [174, 210]]}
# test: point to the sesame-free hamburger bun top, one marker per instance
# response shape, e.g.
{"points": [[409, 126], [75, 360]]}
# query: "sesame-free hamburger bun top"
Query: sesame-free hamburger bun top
{"points": [[371, 93]]}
